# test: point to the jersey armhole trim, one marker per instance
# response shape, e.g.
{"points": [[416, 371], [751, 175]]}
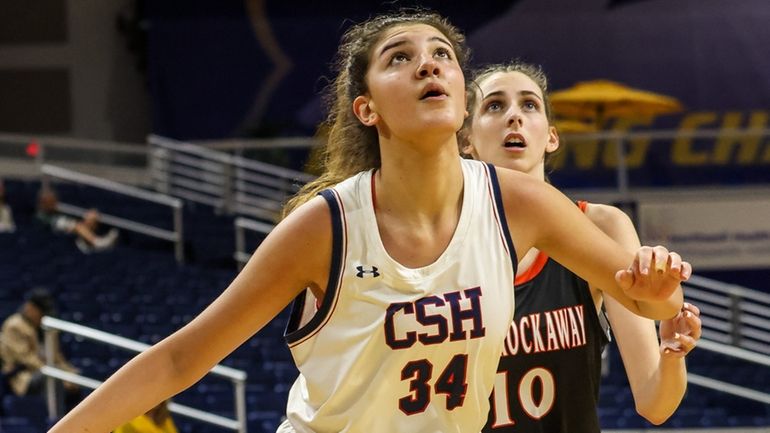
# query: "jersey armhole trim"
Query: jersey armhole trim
{"points": [[294, 334], [541, 259], [502, 222], [534, 269]]}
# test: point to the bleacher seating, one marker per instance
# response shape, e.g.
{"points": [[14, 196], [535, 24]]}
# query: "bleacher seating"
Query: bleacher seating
{"points": [[139, 291]]}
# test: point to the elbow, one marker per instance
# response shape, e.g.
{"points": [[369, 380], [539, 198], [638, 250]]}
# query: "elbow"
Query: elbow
{"points": [[654, 416], [174, 366], [184, 365]]}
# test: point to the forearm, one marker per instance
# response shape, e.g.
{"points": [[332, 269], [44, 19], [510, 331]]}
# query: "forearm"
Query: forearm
{"points": [[660, 396], [134, 389], [662, 310]]}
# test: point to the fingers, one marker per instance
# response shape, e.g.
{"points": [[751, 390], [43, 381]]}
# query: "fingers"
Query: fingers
{"points": [[692, 308], [654, 274], [661, 259], [642, 260], [678, 346], [678, 268], [691, 319], [657, 258], [625, 278]]}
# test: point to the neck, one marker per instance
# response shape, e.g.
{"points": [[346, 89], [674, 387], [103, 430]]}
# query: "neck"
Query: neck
{"points": [[419, 181], [538, 171]]}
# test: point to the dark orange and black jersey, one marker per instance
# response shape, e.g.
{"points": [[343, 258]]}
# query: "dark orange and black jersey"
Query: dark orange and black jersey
{"points": [[549, 373]]}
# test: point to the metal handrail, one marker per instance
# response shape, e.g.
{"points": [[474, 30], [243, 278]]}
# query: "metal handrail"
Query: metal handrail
{"points": [[231, 183], [175, 235], [735, 352], [51, 325], [727, 308]]}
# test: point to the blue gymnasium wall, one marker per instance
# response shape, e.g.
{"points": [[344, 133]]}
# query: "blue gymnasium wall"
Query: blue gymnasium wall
{"points": [[210, 75]]}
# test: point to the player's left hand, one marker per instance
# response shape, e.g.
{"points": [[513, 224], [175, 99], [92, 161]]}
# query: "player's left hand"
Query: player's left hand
{"points": [[679, 335], [654, 275]]}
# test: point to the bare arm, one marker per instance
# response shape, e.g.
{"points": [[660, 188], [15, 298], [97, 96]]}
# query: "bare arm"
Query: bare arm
{"points": [[540, 216], [658, 383], [269, 281]]}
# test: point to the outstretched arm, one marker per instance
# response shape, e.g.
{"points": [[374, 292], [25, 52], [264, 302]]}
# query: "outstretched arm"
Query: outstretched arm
{"points": [[540, 216], [657, 374], [656, 371], [269, 281]]}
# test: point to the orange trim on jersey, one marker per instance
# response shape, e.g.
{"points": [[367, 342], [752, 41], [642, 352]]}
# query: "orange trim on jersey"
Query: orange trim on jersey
{"points": [[541, 258], [533, 270]]}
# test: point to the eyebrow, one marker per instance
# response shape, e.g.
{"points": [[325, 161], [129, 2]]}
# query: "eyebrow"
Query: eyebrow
{"points": [[501, 92], [404, 42]]}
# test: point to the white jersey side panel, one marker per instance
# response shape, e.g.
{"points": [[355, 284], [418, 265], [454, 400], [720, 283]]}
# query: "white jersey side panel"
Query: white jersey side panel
{"points": [[396, 349]]}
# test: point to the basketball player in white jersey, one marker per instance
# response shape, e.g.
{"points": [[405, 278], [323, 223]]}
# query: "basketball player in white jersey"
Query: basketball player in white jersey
{"points": [[509, 126], [412, 258]]}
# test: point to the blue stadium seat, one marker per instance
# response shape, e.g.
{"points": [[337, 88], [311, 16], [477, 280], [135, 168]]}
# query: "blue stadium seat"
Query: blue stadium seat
{"points": [[31, 407]]}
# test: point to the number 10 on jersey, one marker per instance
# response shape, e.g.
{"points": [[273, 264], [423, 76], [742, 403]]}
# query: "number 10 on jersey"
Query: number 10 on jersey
{"points": [[526, 396]]}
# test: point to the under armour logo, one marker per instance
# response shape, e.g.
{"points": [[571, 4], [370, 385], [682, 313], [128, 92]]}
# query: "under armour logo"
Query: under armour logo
{"points": [[362, 271]]}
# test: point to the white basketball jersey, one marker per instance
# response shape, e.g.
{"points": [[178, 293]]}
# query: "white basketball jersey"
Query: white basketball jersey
{"points": [[397, 349]]}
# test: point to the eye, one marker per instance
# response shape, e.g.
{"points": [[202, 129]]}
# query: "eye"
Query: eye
{"points": [[443, 53], [399, 57], [493, 106], [530, 105]]}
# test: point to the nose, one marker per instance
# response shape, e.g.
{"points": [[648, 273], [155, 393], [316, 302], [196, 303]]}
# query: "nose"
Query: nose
{"points": [[515, 119], [428, 67]]}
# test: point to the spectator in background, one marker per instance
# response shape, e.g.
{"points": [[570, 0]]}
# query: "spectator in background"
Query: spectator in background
{"points": [[6, 216], [22, 352], [156, 420], [88, 240]]}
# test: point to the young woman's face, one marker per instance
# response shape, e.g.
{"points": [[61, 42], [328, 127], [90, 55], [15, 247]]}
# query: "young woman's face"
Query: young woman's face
{"points": [[510, 127], [415, 84]]}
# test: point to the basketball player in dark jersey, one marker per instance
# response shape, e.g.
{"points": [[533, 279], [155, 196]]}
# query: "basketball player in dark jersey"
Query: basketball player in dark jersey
{"points": [[549, 372]]}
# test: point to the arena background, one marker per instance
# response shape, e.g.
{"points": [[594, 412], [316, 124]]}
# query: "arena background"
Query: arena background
{"points": [[90, 80]]}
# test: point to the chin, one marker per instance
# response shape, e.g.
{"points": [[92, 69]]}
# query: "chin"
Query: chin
{"points": [[448, 121]]}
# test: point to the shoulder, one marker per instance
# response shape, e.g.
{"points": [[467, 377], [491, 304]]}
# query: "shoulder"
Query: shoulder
{"points": [[296, 253], [528, 198], [608, 218], [15, 323], [312, 219], [520, 186]]}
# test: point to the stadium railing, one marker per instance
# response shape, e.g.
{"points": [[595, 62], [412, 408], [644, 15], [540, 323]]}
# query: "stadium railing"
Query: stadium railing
{"points": [[735, 324], [230, 183], [176, 235], [731, 314], [52, 326]]}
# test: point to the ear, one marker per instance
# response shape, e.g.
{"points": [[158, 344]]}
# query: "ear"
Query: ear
{"points": [[466, 145], [553, 140], [469, 150], [363, 108]]}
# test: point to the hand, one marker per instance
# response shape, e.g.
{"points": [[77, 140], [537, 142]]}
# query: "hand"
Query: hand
{"points": [[654, 275], [678, 336]]}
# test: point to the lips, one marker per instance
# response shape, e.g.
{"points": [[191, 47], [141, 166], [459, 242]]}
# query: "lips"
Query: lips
{"points": [[432, 90], [514, 140]]}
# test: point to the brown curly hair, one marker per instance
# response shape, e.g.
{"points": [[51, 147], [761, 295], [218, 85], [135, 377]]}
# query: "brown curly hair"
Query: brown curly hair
{"points": [[349, 146]]}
